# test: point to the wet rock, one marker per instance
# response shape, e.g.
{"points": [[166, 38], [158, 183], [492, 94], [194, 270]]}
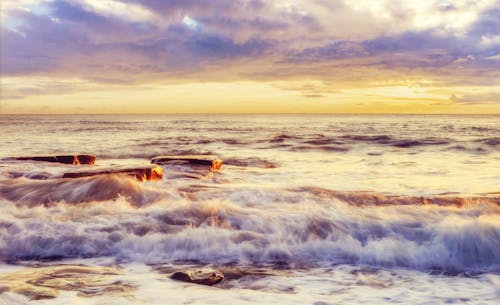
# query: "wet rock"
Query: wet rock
{"points": [[233, 276], [46, 282], [66, 159], [209, 160], [143, 173], [205, 276]]}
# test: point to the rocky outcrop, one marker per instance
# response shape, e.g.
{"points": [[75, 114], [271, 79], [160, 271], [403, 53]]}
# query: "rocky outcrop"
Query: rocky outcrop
{"points": [[66, 159], [204, 160], [204, 276], [143, 173]]}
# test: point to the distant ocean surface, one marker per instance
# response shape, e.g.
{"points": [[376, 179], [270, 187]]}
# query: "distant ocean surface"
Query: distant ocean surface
{"points": [[329, 209]]}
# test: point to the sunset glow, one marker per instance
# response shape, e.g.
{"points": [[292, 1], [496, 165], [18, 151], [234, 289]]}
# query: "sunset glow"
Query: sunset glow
{"points": [[250, 56]]}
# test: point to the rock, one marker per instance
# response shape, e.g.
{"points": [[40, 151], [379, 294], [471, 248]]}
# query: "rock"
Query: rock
{"points": [[45, 282], [66, 159], [143, 173], [205, 276], [212, 161]]}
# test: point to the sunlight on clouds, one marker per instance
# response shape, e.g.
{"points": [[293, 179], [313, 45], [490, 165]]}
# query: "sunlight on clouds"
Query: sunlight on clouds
{"points": [[376, 8], [250, 56], [8, 6], [191, 23], [397, 92], [291, 6], [128, 11], [35, 86], [494, 57], [238, 97], [453, 16], [490, 40]]}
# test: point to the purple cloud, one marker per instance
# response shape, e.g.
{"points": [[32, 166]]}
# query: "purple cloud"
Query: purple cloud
{"points": [[249, 40]]}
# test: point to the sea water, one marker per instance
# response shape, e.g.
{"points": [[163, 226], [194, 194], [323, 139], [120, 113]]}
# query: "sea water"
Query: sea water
{"points": [[330, 209]]}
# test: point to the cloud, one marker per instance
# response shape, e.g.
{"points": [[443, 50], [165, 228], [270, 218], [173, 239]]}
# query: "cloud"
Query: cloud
{"points": [[133, 12], [478, 98], [313, 95], [310, 89], [493, 57], [338, 42]]}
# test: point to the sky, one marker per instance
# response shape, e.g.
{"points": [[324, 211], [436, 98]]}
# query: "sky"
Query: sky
{"points": [[250, 56]]}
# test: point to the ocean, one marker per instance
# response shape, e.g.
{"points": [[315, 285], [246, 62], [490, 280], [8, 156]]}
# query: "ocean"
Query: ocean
{"points": [[307, 209]]}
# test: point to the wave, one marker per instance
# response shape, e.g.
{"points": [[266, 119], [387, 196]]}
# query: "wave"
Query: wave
{"points": [[494, 141], [366, 198], [283, 137], [327, 148], [251, 162], [233, 141], [36, 175], [396, 142], [381, 139], [27, 192], [324, 141], [424, 142], [467, 147], [153, 152], [305, 227], [345, 142]]}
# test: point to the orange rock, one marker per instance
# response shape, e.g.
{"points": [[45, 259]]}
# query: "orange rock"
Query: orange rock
{"points": [[212, 161], [66, 159]]}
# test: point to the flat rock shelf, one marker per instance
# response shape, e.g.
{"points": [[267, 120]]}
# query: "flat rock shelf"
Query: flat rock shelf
{"points": [[209, 160], [66, 159]]}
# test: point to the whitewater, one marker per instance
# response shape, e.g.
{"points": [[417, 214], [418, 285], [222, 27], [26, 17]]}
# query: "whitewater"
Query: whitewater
{"points": [[307, 209]]}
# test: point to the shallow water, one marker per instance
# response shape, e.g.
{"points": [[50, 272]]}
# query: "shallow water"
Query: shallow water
{"points": [[348, 209]]}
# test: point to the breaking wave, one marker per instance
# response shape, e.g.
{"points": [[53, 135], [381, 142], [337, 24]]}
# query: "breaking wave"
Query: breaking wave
{"points": [[31, 193], [270, 203], [297, 226]]}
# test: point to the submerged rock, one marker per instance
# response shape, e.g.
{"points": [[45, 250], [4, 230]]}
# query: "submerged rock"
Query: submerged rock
{"points": [[205, 276], [209, 160], [143, 173], [66, 159]]}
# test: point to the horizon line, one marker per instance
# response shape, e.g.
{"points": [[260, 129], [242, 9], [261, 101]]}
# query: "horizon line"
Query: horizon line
{"points": [[254, 113]]}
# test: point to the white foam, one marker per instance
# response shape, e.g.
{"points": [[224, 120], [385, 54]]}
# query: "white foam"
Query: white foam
{"points": [[215, 230]]}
